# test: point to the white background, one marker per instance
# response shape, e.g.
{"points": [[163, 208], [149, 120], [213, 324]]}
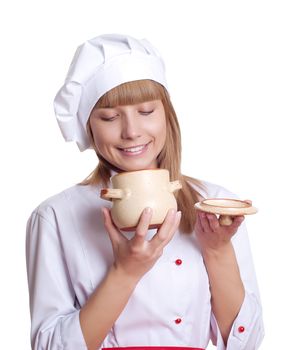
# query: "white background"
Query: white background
{"points": [[223, 61]]}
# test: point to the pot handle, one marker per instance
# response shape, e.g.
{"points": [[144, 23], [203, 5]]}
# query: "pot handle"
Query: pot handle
{"points": [[225, 220], [111, 193], [174, 186]]}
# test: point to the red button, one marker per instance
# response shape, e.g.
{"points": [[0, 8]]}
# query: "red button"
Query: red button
{"points": [[178, 320], [178, 261], [241, 329]]}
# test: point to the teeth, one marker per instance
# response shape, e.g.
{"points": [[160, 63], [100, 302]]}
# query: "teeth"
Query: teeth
{"points": [[133, 149]]}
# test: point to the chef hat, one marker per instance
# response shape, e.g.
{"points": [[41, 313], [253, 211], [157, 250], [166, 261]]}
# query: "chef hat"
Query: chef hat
{"points": [[99, 65]]}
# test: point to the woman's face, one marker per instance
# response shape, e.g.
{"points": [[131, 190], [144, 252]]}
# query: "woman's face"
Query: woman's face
{"points": [[130, 137]]}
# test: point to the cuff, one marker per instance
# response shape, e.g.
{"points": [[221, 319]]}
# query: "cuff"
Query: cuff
{"points": [[71, 333], [247, 330]]}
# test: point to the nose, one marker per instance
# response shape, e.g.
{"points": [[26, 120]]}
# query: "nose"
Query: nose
{"points": [[130, 128]]}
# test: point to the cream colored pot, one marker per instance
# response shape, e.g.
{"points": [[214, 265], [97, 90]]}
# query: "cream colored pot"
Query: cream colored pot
{"points": [[133, 191]]}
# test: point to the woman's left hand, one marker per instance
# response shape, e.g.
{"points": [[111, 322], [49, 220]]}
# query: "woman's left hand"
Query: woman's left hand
{"points": [[211, 235], [226, 286]]}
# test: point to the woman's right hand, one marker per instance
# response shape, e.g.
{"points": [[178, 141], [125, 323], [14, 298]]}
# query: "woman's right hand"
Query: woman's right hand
{"points": [[136, 256]]}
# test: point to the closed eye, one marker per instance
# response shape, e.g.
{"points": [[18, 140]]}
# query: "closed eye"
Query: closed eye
{"points": [[146, 112], [108, 119]]}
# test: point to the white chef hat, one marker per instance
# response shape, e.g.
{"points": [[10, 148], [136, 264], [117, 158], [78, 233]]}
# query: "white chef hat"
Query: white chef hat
{"points": [[99, 65]]}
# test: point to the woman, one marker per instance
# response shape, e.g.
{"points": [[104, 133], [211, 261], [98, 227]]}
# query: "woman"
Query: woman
{"points": [[92, 286]]}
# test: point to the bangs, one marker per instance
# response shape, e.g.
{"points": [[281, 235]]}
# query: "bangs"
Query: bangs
{"points": [[130, 93]]}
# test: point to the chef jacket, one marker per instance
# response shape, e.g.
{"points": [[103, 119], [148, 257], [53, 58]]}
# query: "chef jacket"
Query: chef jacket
{"points": [[69, 253]]}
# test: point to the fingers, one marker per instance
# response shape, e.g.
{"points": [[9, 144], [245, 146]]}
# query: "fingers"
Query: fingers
{"points": [[168, 228], [174, 227], [207, 222], [143, 226], [213, 222], [114, 234], [198, 225], [237, 221]]}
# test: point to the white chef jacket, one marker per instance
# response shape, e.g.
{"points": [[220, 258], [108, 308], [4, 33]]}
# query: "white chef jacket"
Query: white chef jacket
{"points": [[69, 254]]}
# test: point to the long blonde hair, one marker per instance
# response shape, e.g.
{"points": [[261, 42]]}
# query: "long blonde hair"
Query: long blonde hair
{"points": [[170, 157]]}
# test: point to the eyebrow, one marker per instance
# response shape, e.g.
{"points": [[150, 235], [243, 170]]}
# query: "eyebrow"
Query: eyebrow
{"points": [[105, 107], [138, 105]]}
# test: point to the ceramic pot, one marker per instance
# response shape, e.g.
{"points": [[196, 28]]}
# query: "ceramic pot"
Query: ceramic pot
{"points": [[133, 191]]}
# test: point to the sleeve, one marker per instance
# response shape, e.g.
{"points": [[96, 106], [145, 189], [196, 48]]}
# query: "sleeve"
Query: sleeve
{"points": [[54, 314], [247, 330]]}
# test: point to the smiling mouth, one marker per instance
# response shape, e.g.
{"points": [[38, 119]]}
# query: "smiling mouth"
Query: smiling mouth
{"points": [[134, 150]]}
